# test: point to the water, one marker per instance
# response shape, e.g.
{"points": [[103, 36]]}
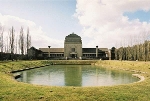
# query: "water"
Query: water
{"points": [[76, 75]]}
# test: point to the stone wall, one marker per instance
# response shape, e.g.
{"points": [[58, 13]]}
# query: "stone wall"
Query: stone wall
{"points": [[73, 49]]}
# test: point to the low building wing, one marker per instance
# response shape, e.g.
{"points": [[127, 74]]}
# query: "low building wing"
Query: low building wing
{"points": [[52, 50]]}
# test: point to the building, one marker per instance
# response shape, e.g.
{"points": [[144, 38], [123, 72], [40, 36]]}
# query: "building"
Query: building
{"points": [[73, 50], [73, 46], [34, 53]]}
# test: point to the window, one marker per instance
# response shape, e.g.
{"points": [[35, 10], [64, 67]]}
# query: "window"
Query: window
{"points": [[73, 49]]}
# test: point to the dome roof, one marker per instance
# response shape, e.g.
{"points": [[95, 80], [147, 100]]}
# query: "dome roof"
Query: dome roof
{"points": [[73, 38], [73, 35]]}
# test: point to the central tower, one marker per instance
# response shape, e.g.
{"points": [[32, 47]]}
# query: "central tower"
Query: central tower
{"points": [[73, 46]]}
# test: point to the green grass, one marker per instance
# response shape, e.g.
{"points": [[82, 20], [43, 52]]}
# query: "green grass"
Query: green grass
{"points": [[11, 90]]}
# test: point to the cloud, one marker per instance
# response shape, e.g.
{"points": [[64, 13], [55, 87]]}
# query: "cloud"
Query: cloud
{"points": [[103, 20], [38, 37]]}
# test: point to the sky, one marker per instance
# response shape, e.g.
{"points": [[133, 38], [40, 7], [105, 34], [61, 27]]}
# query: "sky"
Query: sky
{"points": [[103, 23]]}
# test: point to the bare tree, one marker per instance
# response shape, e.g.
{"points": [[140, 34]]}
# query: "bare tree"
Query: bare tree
{"points": [[28, 41], [11, 41], [21, 41], [138, 48], [16, 46], [146, 50], [7, 45], [120, 53], [1, 38]]}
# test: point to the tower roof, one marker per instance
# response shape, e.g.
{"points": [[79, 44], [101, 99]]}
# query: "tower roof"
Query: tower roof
{"points": [[73, 38]]}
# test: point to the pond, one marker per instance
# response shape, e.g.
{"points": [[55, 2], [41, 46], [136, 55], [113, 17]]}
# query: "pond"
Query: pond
{"points": [[76, 75]]}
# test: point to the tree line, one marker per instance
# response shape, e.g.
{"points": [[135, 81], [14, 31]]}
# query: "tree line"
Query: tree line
{"points": [[14, 43], [138, 48]]}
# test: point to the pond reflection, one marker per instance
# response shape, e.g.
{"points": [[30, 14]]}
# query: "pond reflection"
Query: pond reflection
{"points": [[76, 75]]}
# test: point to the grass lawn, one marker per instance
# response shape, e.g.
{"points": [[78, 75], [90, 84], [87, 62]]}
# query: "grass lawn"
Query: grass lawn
{"points": [[11, 90]]}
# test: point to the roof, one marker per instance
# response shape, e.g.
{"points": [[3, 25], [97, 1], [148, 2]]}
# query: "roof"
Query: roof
{"points": [[73, 38], [33, 48], [55, 50], [93, 50], [89, 50], [103, 49], [84, 50]]}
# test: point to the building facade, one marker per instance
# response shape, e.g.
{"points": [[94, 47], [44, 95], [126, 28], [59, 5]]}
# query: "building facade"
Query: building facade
{"points": [[73, 50], [73, 46]]}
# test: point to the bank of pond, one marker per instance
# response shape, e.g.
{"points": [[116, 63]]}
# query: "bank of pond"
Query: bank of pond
{"points": [[74, 80], [75, 75]]}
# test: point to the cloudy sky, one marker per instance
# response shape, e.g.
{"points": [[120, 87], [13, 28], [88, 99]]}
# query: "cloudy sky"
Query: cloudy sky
{"points": [[105, 23]]}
